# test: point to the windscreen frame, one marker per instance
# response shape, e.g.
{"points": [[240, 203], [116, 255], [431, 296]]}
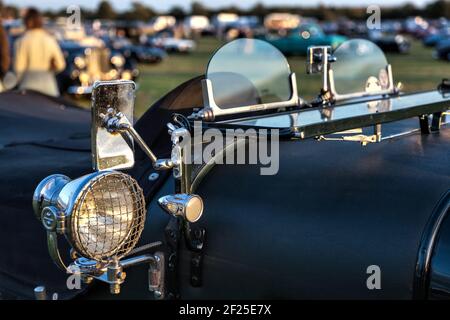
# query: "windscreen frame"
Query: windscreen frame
{"points": [[212, 110]]}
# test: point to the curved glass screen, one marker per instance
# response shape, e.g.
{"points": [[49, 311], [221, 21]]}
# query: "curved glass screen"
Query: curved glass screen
{"points": [[248, 72], [360, 66]]}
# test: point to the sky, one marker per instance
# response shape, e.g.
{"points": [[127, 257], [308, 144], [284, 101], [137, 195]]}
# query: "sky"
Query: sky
{"points": [[166, 4]]}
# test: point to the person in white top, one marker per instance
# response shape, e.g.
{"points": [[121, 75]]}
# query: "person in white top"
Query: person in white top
{"points": [[38, 57]]}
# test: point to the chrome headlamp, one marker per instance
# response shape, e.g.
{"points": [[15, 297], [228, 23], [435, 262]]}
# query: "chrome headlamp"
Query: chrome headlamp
{"points": [[101, 214]]}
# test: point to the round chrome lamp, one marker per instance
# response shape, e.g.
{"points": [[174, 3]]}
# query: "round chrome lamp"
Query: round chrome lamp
{"points": [[187, 206], [101, 214]]}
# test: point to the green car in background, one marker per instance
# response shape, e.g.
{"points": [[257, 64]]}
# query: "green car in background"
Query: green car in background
{"points": [[296, 41]]}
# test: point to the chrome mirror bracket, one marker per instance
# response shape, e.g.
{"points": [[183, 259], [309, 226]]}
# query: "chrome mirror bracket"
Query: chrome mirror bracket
{"points": [[116, 122]]}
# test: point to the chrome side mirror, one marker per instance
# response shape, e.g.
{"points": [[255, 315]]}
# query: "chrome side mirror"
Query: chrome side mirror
{"points": [[112, 150], [113, 134]]}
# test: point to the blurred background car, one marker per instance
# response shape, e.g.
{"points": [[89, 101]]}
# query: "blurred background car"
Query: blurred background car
{"points": [[390, 41], [140, 35], [442, 50], [134, 53], [439, 35], [281, 21], [243, 27], [297, 40], [221, 21], [195, 26], [87, 64], [167, 40]]}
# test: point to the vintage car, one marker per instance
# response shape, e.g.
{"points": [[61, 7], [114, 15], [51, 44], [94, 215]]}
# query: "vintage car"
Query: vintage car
{"points": [[436, 37], [135, 52], [345, 196], [167, 41], [296, 41], [390, 42], [86, 64], [442, 50]]}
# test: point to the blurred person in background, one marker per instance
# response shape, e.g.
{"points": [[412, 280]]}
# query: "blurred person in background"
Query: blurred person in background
{"points": [[4, 52], [38, 57]]}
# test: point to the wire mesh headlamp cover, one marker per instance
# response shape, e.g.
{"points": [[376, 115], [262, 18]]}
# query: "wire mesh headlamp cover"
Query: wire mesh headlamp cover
{"points": [[107, 217]]}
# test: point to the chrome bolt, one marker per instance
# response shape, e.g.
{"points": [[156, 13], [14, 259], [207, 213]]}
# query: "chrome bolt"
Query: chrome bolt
{"points": [[87, 279], [153, 176], [121, 276], [40, 293]]}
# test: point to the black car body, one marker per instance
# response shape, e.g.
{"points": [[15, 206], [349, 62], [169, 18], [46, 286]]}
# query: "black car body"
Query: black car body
{"points": [[318, 229]]}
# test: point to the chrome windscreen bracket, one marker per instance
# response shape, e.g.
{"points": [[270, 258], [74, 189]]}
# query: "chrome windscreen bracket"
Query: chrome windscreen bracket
{"points": [[320, 60], [211, 110]]}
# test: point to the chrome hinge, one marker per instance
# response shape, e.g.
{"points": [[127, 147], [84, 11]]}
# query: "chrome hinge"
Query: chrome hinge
{"points": [[156, 276], [361, 138], [355, 135]]}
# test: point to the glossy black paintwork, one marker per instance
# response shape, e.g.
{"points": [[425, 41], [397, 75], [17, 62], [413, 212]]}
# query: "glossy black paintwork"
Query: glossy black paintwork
{"points": [[313, 229], [308, 232], [39, 136]]}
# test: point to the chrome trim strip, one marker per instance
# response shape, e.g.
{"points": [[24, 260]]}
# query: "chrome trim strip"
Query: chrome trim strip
{"points": [[210, 104], [210, 164], [426, 246]]}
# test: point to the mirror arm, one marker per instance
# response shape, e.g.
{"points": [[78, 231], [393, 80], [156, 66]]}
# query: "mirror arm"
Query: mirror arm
{"points": [[118, 123], [142, 144], [158, 164]]}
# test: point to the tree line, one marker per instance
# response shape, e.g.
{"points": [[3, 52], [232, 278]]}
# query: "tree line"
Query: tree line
{"points": [[141, 12]]}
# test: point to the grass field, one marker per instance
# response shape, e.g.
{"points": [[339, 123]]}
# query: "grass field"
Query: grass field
{"points": [[417, 71]]}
